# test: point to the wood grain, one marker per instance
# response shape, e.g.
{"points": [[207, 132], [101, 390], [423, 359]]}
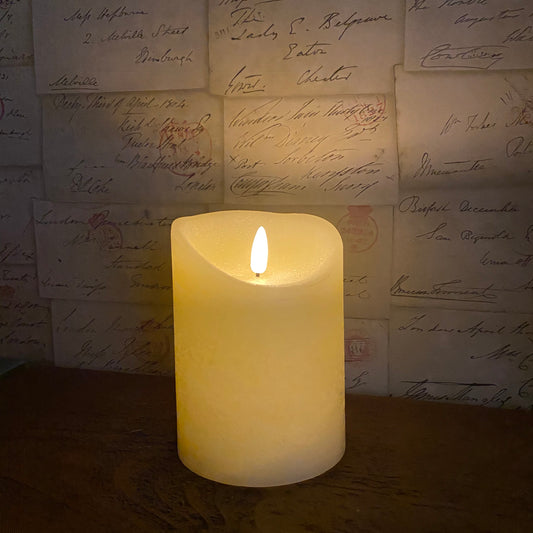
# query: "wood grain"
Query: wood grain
{"points": [[94, 451]]}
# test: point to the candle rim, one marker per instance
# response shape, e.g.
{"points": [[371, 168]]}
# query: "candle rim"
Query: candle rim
{"points": [[180, 225]]}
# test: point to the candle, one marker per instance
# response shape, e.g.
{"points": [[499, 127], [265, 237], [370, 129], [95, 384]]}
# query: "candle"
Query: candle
{"points": [[259, 349]]}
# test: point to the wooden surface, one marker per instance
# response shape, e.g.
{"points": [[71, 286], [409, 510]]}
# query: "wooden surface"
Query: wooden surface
{"points": [[93, 451]]}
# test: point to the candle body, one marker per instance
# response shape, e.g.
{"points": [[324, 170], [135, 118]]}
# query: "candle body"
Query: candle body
{"points": [[259, 360]]}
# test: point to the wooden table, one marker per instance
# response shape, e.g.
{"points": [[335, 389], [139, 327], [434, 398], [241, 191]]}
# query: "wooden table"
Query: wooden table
{"points": [[93, 451]]}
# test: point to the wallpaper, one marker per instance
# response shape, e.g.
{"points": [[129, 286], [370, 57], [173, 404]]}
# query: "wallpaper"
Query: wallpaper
{"points": [[406, 124]]}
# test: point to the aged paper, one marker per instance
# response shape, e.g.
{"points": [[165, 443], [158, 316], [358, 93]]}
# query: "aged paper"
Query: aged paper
{"points": [[18, 187], [89, 47], [20, 118], [366, 357], [287, 47], [366, 233], [462, 356], [465, 128], [468, 34], [16, 40], [328, 150], [160, 148], [367, 240], [121, 337], [464, 249], [25, 329], [105, 252]]}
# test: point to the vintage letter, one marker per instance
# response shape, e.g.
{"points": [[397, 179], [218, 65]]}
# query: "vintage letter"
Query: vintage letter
{"points": [[464, 249], [367, 239], [288, 47], [105, 252], [468, 34], [462, 356], [20, 118], [121, 337], [16, 41], [109, 47], [329, 150], [25, 329], [18, 186], [160, 148], [464, 128]]}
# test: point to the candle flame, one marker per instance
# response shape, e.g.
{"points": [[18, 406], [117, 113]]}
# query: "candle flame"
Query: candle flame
{"points": [[259, 258]]}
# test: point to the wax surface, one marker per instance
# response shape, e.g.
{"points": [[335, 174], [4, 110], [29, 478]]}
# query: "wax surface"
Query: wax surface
{"points": [[259, 360]]}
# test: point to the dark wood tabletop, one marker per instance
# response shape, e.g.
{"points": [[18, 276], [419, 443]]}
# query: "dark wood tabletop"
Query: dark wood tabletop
{"points": [[94, 451]]}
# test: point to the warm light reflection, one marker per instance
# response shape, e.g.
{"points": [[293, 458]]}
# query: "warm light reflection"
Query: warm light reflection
{"points": [[259, 257]]}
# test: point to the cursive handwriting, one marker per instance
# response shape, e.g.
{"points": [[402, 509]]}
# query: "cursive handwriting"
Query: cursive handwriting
{"points": [[73, 82], [427, 168], [306, 50], [336, 21], [446, 290], [244, 83], [168, 29], [475, 237], [413, 204], [358, 381], [323, 146], [253, 185], [519, 146], [466, 57], [105, 14], [169, 56], [488, 394], [524, 34], [508, 353], [356, 287], [317, 75]]}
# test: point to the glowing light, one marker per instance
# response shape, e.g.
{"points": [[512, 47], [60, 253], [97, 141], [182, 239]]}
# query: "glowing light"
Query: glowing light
{"points": [[259, 257]]}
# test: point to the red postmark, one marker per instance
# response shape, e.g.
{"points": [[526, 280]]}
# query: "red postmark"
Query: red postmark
{"points": [[188, 144], [358, 229], [358, 346], [364, 116], [105, 233], [369, 112], [6, 292]]}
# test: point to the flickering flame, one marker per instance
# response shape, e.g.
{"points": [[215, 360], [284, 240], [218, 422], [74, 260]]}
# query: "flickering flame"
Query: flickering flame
{"points": [[259, 258]]}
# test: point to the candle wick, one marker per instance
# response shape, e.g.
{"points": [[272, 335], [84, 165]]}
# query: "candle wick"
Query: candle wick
{"points": [[257, 274]]}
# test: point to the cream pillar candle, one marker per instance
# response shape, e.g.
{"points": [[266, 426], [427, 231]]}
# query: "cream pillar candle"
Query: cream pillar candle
{"points": [[259, 358]]}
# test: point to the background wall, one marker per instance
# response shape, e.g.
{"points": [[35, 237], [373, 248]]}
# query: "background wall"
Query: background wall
{"points": [[408, 125]]}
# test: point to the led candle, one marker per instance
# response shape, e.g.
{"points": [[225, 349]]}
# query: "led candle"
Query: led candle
{"points": [[259, 349]]}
